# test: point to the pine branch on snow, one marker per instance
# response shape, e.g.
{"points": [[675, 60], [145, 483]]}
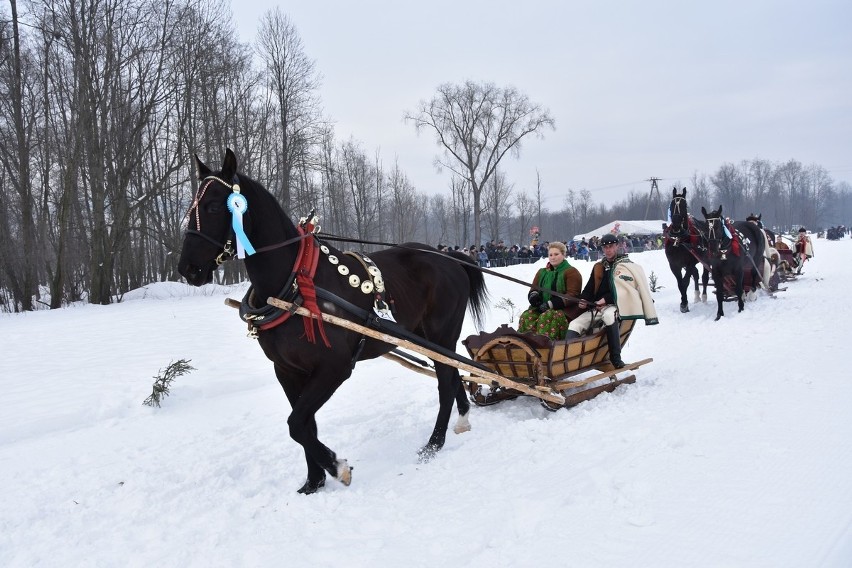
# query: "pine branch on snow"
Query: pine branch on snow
{"points": [[163, 380]]}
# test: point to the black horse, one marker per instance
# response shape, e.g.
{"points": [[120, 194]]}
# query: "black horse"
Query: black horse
{"points": [[733, 247], [426, 292], [685, 248]]}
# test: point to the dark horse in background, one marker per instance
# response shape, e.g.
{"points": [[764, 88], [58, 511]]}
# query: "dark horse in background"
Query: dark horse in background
{"points": [[734, 248], [429, 293], [685, 248]]}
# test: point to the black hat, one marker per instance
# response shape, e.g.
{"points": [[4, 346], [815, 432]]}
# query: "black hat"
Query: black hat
{"points": [[608, 239], [802, 230]]}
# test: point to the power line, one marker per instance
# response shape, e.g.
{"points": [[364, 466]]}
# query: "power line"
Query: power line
{"points": [[612, 186]]}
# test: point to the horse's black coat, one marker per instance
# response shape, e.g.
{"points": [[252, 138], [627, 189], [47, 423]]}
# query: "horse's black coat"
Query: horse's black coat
{"points": [[429, 292], [728, 268], [684, 247]]}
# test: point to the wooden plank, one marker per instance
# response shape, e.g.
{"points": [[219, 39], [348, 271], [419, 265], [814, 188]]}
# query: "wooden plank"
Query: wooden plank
{"points": [[565, 385], [477, 375], [588, 394]]}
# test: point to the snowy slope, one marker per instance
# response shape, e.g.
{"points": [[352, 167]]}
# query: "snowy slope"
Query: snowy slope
{"points": [[732, 448]]}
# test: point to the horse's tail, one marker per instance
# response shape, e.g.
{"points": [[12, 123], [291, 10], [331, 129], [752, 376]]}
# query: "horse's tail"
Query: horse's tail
{"points": [[478, 293], [761, 244]]}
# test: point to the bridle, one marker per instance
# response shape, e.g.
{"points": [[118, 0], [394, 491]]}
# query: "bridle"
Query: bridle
{"points": [[714, 225], [228, 251], [227, 247], [677, 203]]}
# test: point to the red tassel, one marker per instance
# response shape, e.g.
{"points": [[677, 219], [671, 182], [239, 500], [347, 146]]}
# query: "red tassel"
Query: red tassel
{"points": [[304, 278]]}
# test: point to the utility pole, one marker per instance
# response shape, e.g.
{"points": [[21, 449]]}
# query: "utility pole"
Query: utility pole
{"points": [[654, 189]]}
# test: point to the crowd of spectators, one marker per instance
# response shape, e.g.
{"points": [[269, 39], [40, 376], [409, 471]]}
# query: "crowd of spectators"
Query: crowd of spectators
{"points": [[496, 253]]}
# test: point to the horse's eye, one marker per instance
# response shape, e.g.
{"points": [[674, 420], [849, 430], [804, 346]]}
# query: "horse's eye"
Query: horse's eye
{"points": [[213, 207]]}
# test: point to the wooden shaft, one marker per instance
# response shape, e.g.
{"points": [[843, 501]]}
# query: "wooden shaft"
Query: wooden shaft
{"points": [[481, 376], [409, 365]]}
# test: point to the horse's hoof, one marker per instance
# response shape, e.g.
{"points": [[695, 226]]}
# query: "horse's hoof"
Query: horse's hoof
{"points": [[462, 425], [427, 453], [344, 472], [684, 308], [311, 487], [718, 317]]}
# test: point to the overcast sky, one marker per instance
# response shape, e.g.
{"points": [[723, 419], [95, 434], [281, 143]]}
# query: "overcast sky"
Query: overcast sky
{"points": [[638, 89]]}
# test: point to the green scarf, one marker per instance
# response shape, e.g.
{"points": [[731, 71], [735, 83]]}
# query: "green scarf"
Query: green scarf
{"points": [[549, 275]]}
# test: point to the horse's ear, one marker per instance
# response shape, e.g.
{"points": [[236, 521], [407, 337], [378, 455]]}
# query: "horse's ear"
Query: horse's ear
{"points": [[674, 191], [684, 192], [201, 170], [703, 211], [229, 165], [759, 216]]}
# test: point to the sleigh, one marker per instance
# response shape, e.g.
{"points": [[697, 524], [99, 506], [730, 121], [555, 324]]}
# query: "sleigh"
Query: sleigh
{"points": [[507, 364], [578, 369]]}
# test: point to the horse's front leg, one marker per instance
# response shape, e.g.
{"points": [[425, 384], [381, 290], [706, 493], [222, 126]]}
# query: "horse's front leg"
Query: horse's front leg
{"points": [[318, 388], [694, 271], [720, 300], [449, 384], [316, 473], [740, 291], [719, 281], [705, 281], [682, 285], [293, 389]]}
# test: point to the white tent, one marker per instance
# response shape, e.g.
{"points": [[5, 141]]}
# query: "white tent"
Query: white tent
{"points": [[625, 228]]}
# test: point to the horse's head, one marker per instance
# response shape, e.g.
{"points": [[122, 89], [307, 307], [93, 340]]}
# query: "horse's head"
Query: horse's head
{"points": [[752, 218], [210, 238], [718, 238], [678, 214]]}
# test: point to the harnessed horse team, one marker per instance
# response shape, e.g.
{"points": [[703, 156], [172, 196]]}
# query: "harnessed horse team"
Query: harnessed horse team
{"points": [[740, 255]]}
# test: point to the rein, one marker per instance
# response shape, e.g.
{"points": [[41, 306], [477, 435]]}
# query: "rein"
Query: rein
{"points": [[229, 253], [330, 237]]}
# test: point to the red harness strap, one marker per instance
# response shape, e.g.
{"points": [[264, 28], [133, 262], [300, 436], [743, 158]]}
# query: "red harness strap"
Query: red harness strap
{"points": [[694, 236], [735, 238], [305, 267]]}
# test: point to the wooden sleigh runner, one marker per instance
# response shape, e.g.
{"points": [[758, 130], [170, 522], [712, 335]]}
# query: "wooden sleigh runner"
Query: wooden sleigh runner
{"points": [[510, 364], [538, 362]]}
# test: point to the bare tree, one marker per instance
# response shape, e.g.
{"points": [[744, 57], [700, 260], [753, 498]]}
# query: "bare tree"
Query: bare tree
{"points": [[762, 174], [462, 197], [406, 209], [730, 187], [570, 207], [20, 102], [496, 200], [791, 186], [476, 124], [362, 180], [700, 194], [525, 207], [437, 221], [294, 81], [819, 195]]}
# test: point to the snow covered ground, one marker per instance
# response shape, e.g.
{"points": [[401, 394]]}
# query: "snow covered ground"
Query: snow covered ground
{"points": [[732, 448]]}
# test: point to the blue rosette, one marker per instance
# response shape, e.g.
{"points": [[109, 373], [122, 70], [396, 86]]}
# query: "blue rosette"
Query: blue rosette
{"points": [[238, 205]]}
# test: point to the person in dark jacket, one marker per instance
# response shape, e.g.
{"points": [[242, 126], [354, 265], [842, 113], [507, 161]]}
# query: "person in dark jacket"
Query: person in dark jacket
{"points": [[617, 289]]}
